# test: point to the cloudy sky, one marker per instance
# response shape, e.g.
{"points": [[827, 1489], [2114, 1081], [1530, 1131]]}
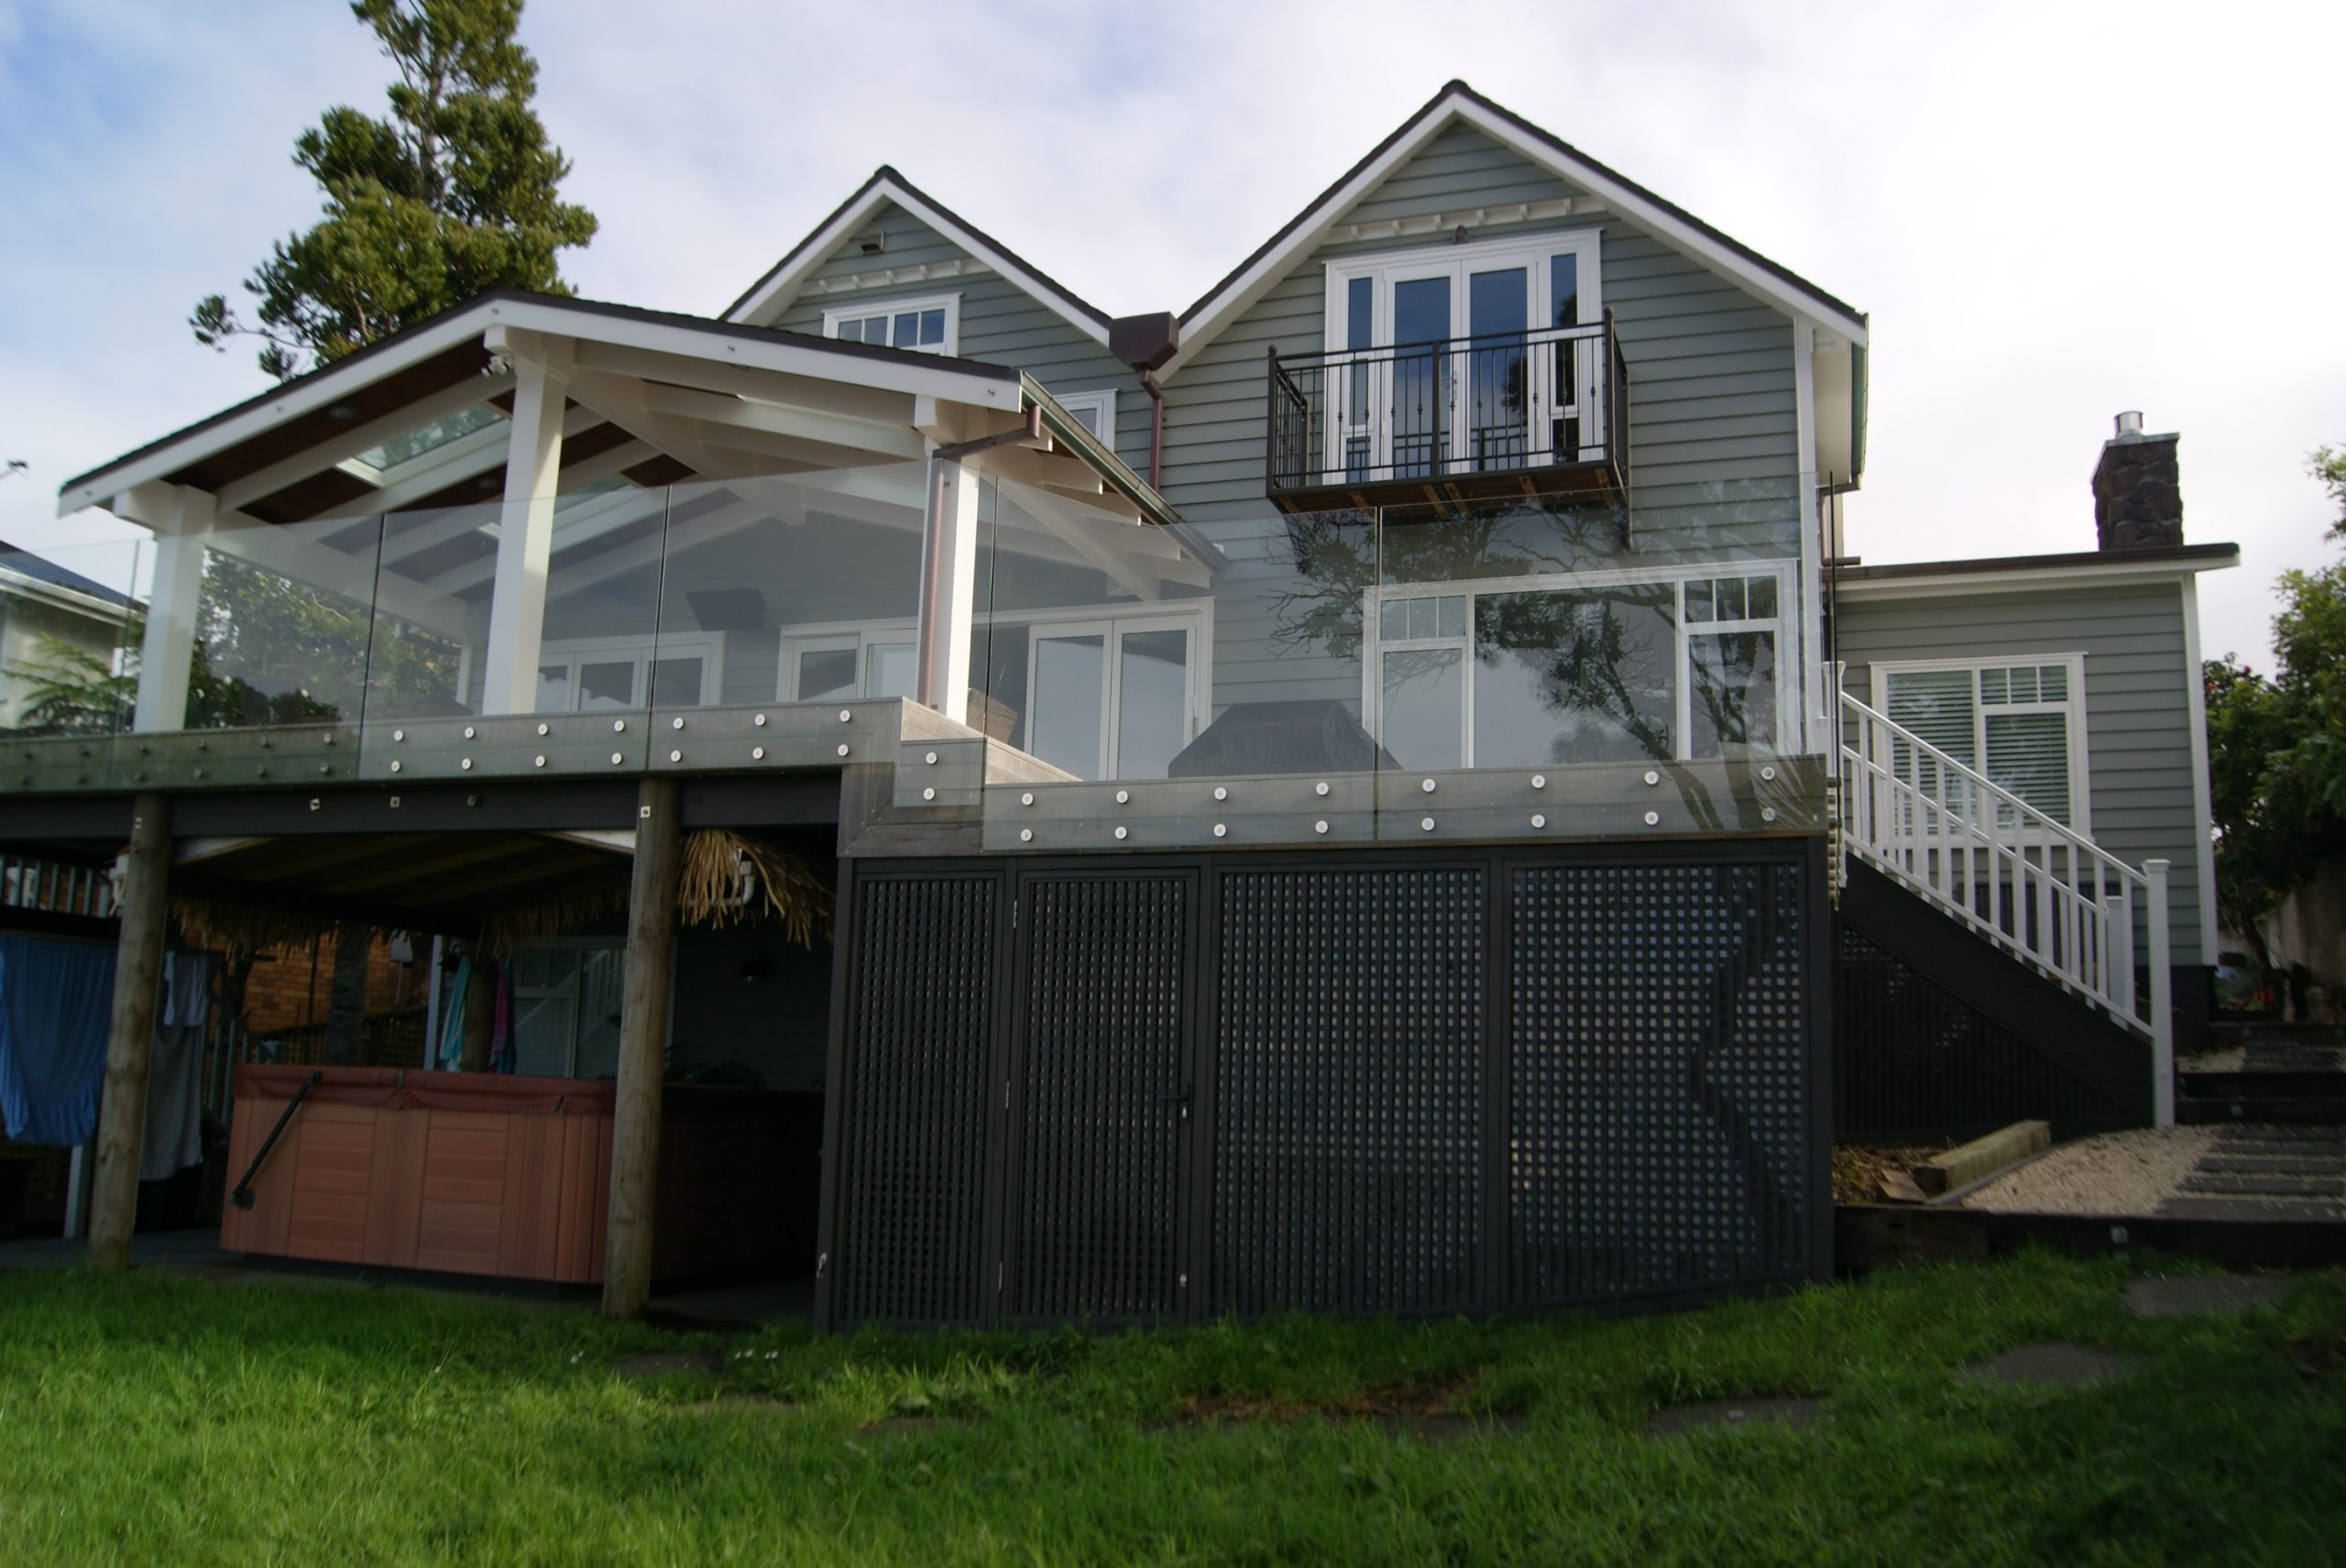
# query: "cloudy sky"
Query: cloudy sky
{"points": [[2052, 211]]}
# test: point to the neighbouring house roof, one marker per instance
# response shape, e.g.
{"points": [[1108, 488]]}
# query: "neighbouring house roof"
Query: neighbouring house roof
{"points": [[2164, 560], [18, 561], [1458, 102], [783, 281]]}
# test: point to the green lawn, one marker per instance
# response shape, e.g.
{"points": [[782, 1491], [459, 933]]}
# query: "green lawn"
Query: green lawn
{"points": [[157, 1419]]}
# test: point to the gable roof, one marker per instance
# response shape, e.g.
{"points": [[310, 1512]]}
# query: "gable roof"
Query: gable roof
{"points": [[783, 281], [1459, 104]]}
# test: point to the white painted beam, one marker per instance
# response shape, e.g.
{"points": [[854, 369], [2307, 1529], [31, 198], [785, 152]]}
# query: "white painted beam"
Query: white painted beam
{"points": [[895, 440], [948, 587], [167, 655], [771, 386], [525, 539]]}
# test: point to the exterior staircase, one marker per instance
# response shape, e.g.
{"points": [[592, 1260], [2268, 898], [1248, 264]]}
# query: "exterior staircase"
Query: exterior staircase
{"points": [[2278, 1092], [2082, 990]]}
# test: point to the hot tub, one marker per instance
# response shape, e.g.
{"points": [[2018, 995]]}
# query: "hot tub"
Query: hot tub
{"points": [[474, 1173]]}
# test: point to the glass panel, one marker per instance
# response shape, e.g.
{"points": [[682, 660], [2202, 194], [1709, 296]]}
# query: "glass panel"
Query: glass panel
{"points": [[825, 674], [1450, 621], [1698, 601], [1994, 686], [2024, 680], [606, 684], [554, 687], [889, 669], [1762, 599], [284, 621], [676, 683], [2053, 682], [601, 976], [1068, 692], [1421, 618], [1152, 702], [800, 569], [1563, 290], [1420, 420], [1731, 694], [1936, 705], [907, 329], [1359, 312], [1574, 675], [1424, 707], [429, 437], [932, 328], [70, 626], [544, 1024], [2028, 753]]}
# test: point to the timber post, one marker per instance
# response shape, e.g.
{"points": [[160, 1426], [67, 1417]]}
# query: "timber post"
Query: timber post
{"points": [[643, 1028], [479, 1019], [137, 979]]}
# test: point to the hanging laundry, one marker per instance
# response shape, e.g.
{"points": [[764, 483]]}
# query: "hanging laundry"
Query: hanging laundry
{"points": [[56, 1004], [504, 1047], [174, 1137], [452, 1022]]}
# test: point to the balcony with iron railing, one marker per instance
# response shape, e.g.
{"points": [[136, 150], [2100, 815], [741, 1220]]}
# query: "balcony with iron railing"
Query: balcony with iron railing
{"points": [[1544, 412]]}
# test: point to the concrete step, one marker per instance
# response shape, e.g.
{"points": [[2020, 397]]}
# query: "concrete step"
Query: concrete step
{"points": [[2254, 1084], [2268, 1034], [2312, 1111]]}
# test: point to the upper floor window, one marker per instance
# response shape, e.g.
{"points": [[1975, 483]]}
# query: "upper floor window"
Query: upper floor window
{"points": [[927, 326], [1096, 412]]}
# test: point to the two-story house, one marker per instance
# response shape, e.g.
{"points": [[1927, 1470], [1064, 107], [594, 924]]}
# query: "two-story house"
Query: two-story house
{"points": [[1335, 799]]}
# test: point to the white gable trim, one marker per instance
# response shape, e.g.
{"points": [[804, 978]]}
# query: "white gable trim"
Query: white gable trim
{"points": [[1218, 310], [774, 295]]}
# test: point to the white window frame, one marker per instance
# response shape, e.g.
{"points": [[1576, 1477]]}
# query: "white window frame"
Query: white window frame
{"points": [[573, 992], [1534, 253], [1784, 623], [707, 646], [2080, 768], [1102, 404], [837, 637], [950, 304]]}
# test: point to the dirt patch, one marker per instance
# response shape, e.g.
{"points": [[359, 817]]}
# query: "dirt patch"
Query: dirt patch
{"points": [[1857, 1169], [1794, 1411], [666, 1364], [1412, 1399], [2200, 1295], [2059, 1366]]}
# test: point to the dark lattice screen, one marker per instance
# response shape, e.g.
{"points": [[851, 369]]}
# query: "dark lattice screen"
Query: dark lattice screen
{"points": [[1913, 1059], [1657, 1036], [1103, 1089], [1348, 1096], [921, 1026]]}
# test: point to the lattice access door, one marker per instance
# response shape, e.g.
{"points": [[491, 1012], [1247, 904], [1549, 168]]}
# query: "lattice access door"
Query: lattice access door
{"points": [[1100, 1098]]}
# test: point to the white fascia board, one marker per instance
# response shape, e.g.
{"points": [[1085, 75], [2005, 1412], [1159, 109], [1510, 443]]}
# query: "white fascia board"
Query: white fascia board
{"points": [[1642, 212], [1242, 291], [2028, 579], [916, 374], [583, 323], [2203, 810], [784, 287], [327, 387]]}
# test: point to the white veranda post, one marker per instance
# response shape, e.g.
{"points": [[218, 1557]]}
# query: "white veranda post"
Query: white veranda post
{"points": [[525, 534], [167, 654]]}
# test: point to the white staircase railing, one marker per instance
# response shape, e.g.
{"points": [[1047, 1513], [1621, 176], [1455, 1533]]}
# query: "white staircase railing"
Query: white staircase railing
{"points": [[2013, 876]]}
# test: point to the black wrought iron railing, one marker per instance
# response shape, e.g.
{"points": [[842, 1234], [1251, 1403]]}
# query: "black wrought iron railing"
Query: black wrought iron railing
{"points": [[1551, 398]]}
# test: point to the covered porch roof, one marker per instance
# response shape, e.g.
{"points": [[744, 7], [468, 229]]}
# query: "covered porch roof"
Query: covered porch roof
{"points": [[425, 419]]}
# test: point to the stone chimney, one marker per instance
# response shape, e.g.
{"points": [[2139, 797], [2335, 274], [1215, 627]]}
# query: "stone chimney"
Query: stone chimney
{"points": [[2138, 489]]}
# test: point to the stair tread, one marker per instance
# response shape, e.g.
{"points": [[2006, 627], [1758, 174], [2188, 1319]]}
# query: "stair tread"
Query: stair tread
{"points": [[2251, 1209]]}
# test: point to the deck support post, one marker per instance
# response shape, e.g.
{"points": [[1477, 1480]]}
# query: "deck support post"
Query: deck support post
{"points": [[479, 1019], [644, 1026], [138, 977]]}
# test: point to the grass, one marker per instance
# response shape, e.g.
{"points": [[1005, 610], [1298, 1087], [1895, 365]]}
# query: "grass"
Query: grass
{"points": [[154, 1419]]}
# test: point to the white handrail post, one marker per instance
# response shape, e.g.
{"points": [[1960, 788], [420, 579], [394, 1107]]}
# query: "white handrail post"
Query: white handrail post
{"points": [[2162, 1011]]}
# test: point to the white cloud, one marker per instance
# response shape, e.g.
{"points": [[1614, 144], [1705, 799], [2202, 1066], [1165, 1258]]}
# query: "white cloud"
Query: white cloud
{"points": [[2051, 212]]}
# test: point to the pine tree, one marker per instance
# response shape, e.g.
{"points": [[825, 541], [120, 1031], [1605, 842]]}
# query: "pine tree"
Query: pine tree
{"points": [[456, 193]]}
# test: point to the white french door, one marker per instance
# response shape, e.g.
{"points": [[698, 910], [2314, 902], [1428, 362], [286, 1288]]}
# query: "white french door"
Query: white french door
{"points": [[1113, 698]]}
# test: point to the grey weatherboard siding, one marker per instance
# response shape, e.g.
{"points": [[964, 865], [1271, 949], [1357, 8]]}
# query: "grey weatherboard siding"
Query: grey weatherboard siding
{"points": [[1002, 324], [2138, 716], [1711, 384]]}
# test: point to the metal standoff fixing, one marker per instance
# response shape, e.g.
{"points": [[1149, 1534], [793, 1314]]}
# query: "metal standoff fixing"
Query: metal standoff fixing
{"points": [[1653, 819], [1768, 772], [468, 732], [619, 726], [397, 735], [677, 722], [929, 794], [1123, 831], [846, 715], [1124, 797], [464, 763], [757, 754], [1652, 777], [1027, 798], [1767, 813], [1537, 820], [539, 761], [759, 719], [842, 747], [1321, 826], [1219, 792], [1427, 786], [675, 756], [545, 729], [1427, 824], [395, 768], [1538, 781], [1320, 788], [931, 758], [1025, 835], [616, 759], [1219, 829]]}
